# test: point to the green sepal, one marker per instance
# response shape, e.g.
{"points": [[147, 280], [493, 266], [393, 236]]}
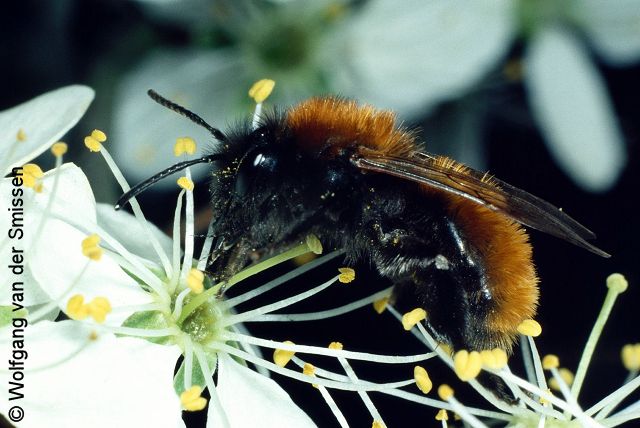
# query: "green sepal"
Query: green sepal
{"points": [[197, 376], [7, 314]]}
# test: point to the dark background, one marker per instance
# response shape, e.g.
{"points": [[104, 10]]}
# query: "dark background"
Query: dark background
{"points": [[46, 45]]}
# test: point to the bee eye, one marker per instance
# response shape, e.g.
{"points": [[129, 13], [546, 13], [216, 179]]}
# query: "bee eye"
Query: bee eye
{"points": [[256, 168]]}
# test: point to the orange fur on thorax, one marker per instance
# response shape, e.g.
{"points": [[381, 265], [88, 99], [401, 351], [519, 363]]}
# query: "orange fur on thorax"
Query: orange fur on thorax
{"points": [[504, 248], [319, 123]]}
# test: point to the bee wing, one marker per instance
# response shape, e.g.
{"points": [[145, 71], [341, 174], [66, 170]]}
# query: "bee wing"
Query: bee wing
{"points": [[442, 173]]}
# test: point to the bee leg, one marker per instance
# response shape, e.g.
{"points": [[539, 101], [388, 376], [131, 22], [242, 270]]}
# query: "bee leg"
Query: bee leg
{"points": [[405, 297]]}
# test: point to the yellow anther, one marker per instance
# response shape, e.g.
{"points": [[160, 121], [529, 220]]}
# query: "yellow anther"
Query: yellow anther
{"points": [[90, 247], [31, 174], [60, 148], [184, 145], [410, 319], [281, 357], [91, 240], [530, 328], [445, 392], [309, 369], [261, 90], [565, 374], [467, 365], [92, 144], [550, 361], [380, 305], [93, 336], [94, 253], [346, 275], [378, 424], [99, 307], [494, 359], [442, 415], [21, 135], [617, 283], [76, 309], [192, 400], [185, 183], [422, 379], [98, 135], [314, 244], [631, 356], [195, 281], [336, 345]]}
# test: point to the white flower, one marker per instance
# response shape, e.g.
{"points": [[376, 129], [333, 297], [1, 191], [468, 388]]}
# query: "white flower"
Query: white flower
{"points": [[568, 98], [536, 404], [567, 95], [65, 350], [26, 131]]}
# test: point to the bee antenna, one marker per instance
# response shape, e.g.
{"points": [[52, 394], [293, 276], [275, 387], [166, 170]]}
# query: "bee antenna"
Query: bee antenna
{"points": [[141, 187], [218, 135]]}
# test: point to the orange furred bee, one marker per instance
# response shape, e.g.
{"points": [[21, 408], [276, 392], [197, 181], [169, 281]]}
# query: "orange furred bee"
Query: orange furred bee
{"points": [[449, 238]]}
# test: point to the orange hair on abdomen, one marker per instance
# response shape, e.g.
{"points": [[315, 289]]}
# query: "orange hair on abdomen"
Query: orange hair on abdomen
{"points": [[318, 123], [504, 248]]}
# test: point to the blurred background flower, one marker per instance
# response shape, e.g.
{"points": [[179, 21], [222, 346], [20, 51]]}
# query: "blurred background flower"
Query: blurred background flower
{"points": [[542, 93]]}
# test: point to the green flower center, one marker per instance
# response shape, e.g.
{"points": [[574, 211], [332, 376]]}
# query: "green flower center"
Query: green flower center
{"points": [[201, 324]]}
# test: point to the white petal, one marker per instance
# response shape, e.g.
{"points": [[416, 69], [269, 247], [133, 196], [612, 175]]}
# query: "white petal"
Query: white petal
{"points": [[113, 382], [56, 266], [614, 28], [570, 102], [208, 83], [44, 120], [128, 231], [241, 389], [23, 290], [408, 56], [73, 201]]}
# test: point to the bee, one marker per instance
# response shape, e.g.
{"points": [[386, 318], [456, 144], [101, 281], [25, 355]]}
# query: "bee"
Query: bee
{"points": [[451, 239]]}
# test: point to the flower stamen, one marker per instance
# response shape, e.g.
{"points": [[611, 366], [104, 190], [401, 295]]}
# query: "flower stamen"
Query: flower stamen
{"points": [[184, 145], [192, 400], [31, 175], [410, 319], [90, 247], [281, 356]]}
